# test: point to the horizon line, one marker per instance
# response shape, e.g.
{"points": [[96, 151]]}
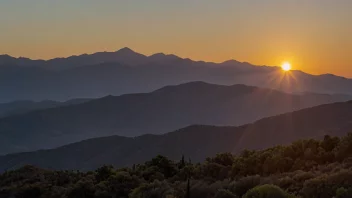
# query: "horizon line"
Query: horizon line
{"points": [[184, 58]]}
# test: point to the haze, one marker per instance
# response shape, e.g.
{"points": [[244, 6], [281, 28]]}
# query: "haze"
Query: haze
{"points": [[314, 36]]}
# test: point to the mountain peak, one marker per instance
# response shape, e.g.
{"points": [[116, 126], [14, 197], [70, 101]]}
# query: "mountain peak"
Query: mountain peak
{"points": [[164, 57], [232, 61], [7, 57], [126, 50], [328, 75], [160, 54]]}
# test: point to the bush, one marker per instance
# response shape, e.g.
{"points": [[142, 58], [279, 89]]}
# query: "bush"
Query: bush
{"points": [[223, 193], [151, 190], [302, 176], [267, 191], [285, 182], [243, 185]]}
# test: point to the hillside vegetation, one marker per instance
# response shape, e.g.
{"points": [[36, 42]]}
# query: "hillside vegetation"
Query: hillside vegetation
{"points": [[306, 168]]}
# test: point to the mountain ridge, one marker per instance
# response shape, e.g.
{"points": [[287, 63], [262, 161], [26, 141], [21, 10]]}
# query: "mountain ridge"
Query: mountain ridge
{"points": [[156, 112], [25, 106], [130, 51], [196, 141], [126, 71]]}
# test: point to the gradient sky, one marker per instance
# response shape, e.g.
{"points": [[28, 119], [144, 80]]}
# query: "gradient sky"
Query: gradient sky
{"points": [[314, 35]]}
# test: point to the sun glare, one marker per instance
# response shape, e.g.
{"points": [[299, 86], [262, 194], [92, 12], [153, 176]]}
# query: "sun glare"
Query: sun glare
{"points": [[286, 66]]}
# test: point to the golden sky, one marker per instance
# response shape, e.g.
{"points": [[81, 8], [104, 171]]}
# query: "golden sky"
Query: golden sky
{"points": [[315, 35]]}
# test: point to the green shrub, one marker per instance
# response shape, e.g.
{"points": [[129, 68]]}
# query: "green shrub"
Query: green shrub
{"points": [[267, 191]]}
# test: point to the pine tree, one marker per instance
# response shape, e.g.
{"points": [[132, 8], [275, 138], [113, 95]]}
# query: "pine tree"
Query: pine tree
{"points": [[182, 162], [188, 190]]}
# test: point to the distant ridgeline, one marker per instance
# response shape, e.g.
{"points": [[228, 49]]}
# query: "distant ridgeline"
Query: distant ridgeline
{"points": [[306, 168], [125, 71]]}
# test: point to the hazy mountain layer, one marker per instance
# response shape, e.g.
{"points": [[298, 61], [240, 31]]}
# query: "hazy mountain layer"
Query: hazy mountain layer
{"points": [[196, 142], [25, 106], [161, 111]]}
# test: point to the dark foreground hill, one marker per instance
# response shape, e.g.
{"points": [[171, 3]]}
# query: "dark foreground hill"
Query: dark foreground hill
{"points": [[161, 111], [196, 142], [125, 71], [304, 169]]}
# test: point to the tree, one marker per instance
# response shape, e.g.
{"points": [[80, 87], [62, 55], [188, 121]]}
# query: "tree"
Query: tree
{"points": [[155, 189], [329, 143], [182, 162], [30, 192], [83, 189], [188, 190], [225, 159], [104, 173], [164, 165], [121, 184], [344, 149], [241, 186]]}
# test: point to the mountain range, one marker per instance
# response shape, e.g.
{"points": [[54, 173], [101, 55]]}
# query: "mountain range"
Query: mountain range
{"points": [[157, 112], [125, 71], [195, 142]]}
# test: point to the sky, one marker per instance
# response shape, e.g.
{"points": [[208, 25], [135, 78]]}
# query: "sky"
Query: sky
{"points": [[313, 35]]}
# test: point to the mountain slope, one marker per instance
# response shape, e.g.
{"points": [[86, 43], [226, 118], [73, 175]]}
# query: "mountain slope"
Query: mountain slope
{"points": [[22, 107], [196, 142], [125, 71], [163, 110]]}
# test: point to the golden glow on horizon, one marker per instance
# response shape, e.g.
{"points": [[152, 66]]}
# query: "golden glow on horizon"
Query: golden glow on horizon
{"points": [[310, 34], [286, 66]]}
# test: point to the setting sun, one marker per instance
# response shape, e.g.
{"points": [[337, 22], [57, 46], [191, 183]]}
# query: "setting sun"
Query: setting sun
{"points": [[286, 66]]}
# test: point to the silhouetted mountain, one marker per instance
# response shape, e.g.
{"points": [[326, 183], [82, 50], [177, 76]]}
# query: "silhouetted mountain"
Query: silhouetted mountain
{"points": [[25, 106], [21, 61], [196, 142], [163, 110], [123, 56], [125, 71]]}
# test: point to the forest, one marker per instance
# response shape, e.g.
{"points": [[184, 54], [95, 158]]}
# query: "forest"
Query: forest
{"points": [[307, 168]]}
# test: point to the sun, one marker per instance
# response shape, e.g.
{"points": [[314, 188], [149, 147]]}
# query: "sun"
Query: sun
{"points": [[286, 66]]}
